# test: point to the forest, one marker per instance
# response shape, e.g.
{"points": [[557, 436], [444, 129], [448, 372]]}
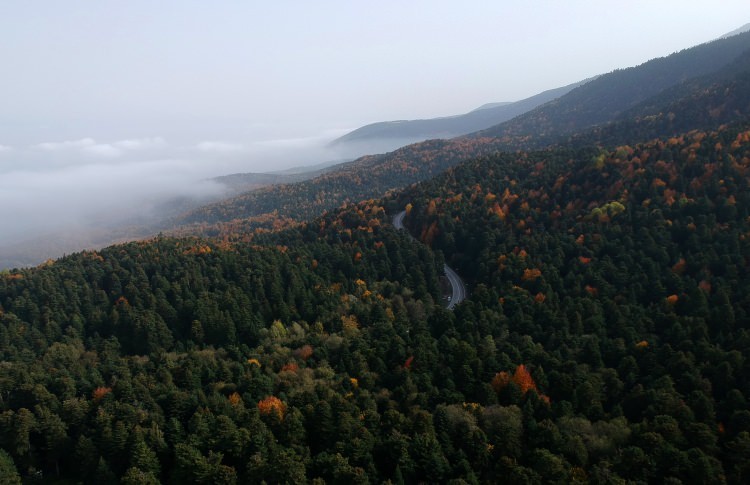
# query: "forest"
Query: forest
{"points": [[285, 205], [702, 88], [604, 339]]}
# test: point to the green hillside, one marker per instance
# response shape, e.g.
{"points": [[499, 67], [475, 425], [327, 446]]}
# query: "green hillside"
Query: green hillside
{"points": [[603, 339]]}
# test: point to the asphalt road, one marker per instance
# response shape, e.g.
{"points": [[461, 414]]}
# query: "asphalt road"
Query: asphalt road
{"points": [[457, 285], [398, 220], [459, 289]]}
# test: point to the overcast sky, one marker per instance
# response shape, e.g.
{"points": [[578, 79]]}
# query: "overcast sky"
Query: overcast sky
{"points": [[125, 91], [248, 70]]}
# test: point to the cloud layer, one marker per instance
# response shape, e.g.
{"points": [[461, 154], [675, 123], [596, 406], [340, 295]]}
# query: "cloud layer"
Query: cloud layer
{"points": [[90, 183]]}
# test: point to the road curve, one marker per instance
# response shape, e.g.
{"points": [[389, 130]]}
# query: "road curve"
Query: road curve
{"points": [[398, 220], [457, 285]]}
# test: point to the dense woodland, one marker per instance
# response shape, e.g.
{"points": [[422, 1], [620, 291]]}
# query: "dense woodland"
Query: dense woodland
{"points": [[181, 360], [604, 341], [620, 278], [279, 206]]}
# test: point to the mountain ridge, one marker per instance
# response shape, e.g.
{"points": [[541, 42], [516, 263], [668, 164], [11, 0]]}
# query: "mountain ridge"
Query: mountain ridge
{"points": [[451, 126], [605, 97], [373, 176], [267, 209]]}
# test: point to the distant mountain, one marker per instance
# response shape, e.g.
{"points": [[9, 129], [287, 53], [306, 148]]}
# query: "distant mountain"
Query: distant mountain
{"points": [[493, 105], [245, 182], [741, 30], [699, 88], [400, 133], [310, 169], [33, 251], [609, 96]]}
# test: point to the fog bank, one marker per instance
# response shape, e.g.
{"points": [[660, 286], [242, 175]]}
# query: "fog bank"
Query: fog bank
{"points": [[91, 190]]}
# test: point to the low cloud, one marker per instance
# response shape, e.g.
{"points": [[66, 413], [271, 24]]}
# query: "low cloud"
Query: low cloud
{"points": [[89, 146], [103, 150], [141, 143], [66, 145], [220, 147], [95, 195], [88, 184]]}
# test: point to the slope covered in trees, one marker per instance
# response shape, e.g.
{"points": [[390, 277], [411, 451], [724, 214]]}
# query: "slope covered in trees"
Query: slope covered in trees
{"points": [[185, 361], [622, 277], [604, 339], [368, 177], [699, 88], [704, 102], [607, 97]]}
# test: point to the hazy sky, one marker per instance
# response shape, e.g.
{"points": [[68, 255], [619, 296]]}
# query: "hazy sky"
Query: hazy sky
{"points": [[111, 100], [259, 69]]}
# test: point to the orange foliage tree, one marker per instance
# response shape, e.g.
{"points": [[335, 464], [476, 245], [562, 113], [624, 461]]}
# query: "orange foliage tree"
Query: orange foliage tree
{"points": [[100, 392], [235, 399], [521, 377], [272, 406], [531, 274]]}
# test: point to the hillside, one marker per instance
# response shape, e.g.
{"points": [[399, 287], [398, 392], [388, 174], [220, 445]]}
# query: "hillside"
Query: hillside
{"points": [[609, 96], [410, 131], [246, 182], [368, 177], [744, 28], [603, 339], [620, 276], [701, 102]]}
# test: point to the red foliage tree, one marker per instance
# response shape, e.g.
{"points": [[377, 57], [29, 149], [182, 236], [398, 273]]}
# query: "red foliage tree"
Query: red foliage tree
{"points": [[523, 379]]}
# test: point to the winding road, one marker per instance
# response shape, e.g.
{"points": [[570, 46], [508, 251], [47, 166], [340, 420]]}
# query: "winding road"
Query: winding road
{"points": [[457, 284]]}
